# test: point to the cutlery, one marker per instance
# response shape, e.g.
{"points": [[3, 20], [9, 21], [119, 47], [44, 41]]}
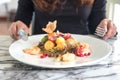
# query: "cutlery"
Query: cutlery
{"points": [[23, 35], [100, 31]]}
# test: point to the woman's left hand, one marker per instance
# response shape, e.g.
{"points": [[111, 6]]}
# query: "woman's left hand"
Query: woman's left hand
{"points": [[111, 28]]}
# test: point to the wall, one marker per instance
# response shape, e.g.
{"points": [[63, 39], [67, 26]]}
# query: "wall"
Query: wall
{"points": [[12, 5]]}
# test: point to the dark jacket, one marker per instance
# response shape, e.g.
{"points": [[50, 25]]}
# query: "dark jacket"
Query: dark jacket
{"points": [[69, 20]]}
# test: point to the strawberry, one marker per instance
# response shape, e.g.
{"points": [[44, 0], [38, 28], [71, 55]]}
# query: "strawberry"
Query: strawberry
{"points": [[79, 51], [67, 36]]}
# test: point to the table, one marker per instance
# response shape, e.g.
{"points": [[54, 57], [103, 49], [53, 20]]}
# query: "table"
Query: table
{"points": [[107, 69]]}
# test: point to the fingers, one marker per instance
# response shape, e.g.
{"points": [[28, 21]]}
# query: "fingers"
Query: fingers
{"points": [[13, 31], [21, 25], [26, 29], [111, 30], [15, 26], [103, 23], [110, 26]]}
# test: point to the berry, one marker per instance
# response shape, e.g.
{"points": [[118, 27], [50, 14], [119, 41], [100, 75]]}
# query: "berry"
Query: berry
{"points": [[42, 56], [67, 36]]}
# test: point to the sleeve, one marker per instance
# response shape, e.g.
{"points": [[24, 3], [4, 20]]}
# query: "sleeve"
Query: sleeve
{"points": [[24, 11], [97, 14]]}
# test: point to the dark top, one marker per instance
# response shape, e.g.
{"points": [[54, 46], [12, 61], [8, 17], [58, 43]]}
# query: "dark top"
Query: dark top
{"points": [[84, 21]]}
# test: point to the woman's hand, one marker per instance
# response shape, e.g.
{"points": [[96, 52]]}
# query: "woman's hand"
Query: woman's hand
{"points": [[111, 28], [15, 27]]}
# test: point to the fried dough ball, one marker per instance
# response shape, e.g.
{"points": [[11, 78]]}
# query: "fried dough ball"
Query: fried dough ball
{"points": [[49, 45], [71, 42], [60, 41]]}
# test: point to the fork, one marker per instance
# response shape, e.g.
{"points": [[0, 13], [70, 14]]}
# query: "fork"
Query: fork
{"points": [[100, 31]]}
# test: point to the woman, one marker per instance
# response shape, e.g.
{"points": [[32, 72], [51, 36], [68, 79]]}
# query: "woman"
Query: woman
{"points": [[73, 16]]}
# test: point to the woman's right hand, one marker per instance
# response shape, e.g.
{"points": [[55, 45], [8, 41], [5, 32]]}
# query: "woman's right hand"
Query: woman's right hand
{"points": [[15, 27]]}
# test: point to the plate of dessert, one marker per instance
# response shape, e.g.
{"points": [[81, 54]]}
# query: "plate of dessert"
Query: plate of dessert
{"points": [[59, 50]]}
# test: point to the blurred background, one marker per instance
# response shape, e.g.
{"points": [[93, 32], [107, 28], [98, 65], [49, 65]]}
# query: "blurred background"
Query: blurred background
{"points": [[8, 10]]}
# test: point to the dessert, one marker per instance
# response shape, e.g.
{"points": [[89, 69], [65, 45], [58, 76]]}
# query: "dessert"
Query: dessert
{"points": [[60, 46]]}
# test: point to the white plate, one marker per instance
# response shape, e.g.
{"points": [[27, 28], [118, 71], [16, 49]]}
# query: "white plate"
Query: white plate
{"points": [[100, 50]]}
